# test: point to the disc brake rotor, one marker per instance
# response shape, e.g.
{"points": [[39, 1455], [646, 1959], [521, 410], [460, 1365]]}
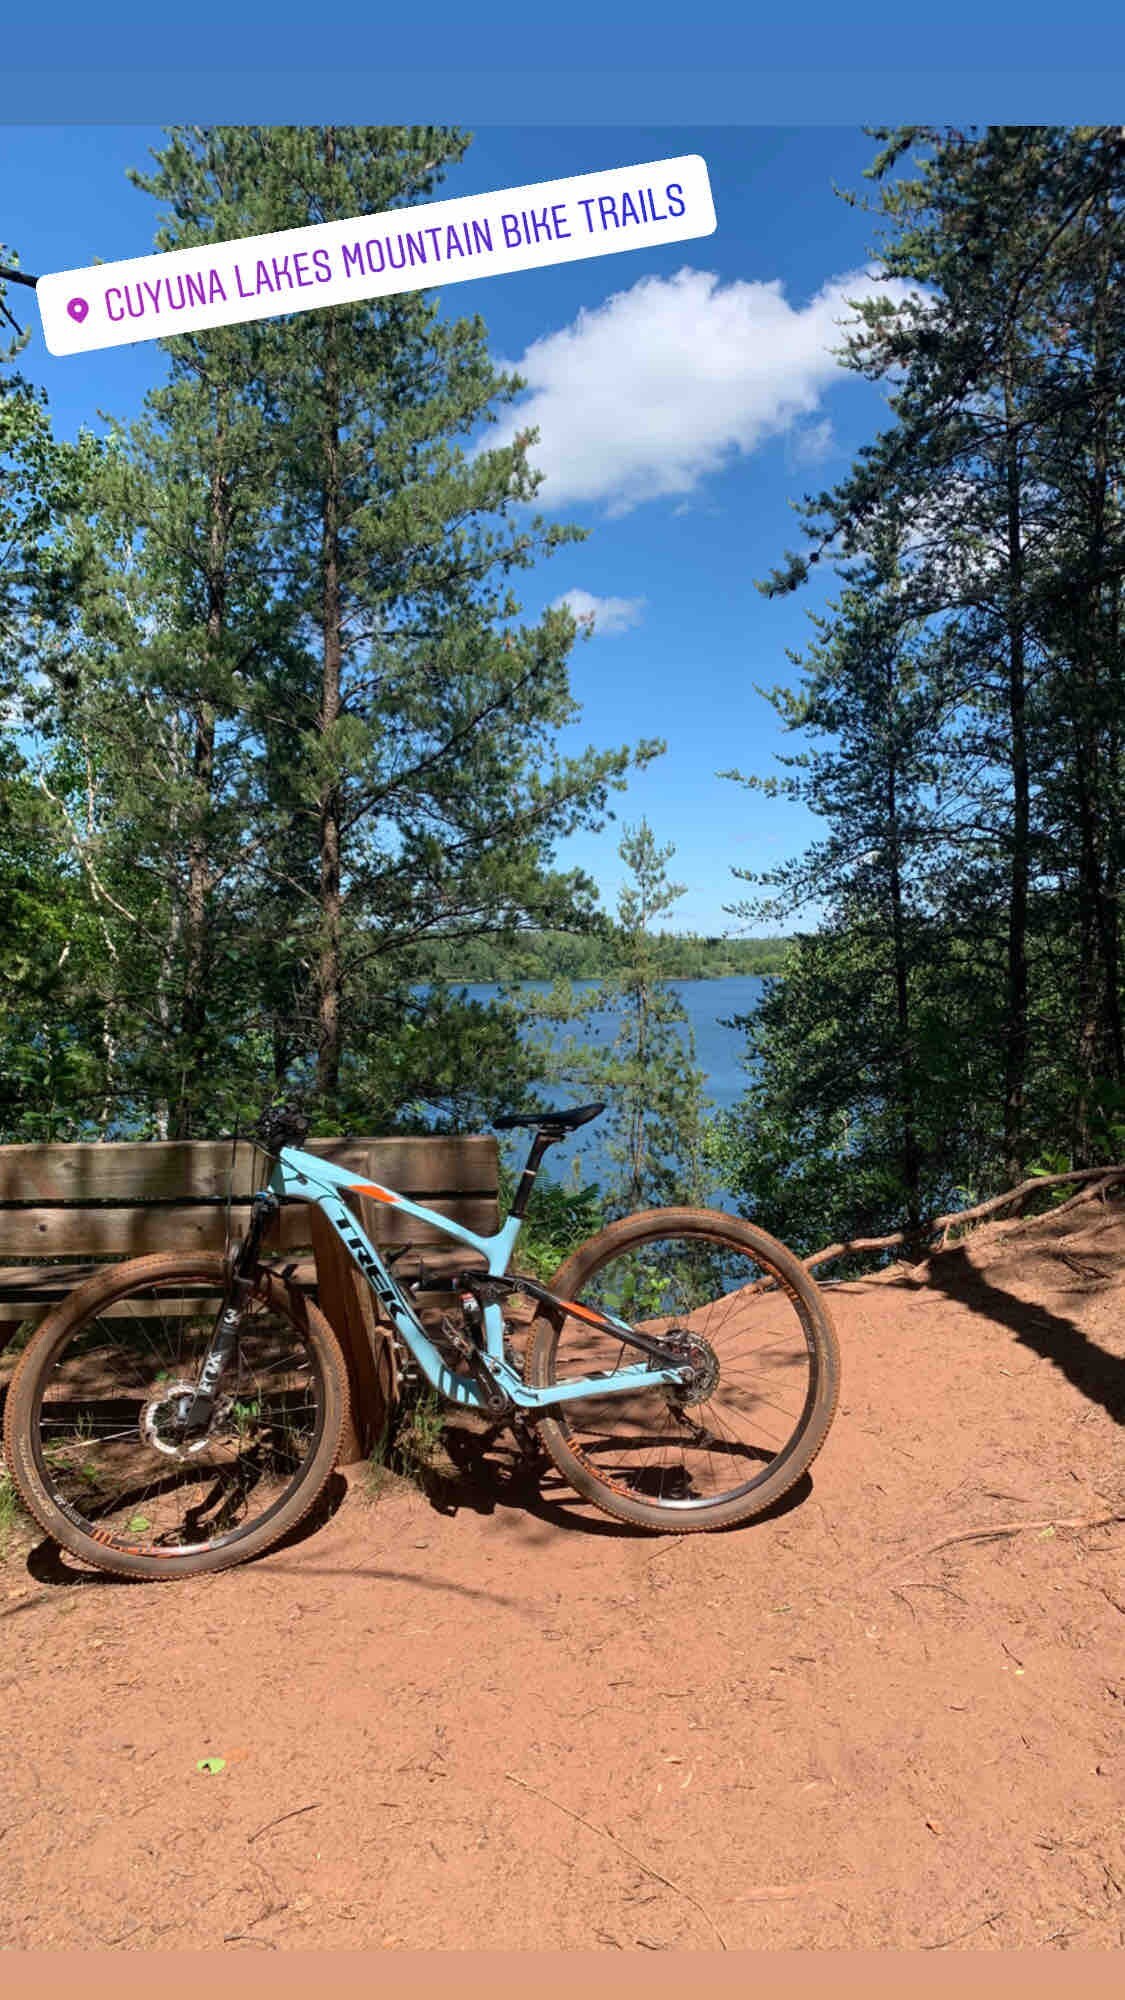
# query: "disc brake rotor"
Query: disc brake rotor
{"points": [[703, 1361], [163, 1418]]}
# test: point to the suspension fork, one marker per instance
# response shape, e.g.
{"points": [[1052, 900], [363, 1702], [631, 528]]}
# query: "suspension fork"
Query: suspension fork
{"points": [[224, 1335]]}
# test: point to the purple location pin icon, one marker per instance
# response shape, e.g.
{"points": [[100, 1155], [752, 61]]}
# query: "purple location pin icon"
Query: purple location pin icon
{"points": [[77, 308]]}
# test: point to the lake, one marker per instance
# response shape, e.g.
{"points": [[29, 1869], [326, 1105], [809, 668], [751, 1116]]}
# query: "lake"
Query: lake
{"points": [[708, 1003]]}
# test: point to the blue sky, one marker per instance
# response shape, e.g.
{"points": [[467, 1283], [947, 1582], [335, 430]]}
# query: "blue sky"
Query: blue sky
{"points": [[723, 342], [873, 61]]}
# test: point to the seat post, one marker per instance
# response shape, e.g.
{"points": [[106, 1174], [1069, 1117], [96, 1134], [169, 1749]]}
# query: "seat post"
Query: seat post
{"points": [[544, 1137]]}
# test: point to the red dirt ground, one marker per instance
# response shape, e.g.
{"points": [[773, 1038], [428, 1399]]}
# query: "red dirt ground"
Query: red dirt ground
{"points": [[496, 1718]]}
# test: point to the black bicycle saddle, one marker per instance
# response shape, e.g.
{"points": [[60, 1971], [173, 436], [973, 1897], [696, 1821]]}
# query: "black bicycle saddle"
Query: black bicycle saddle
{"points": [[549, 1121]]}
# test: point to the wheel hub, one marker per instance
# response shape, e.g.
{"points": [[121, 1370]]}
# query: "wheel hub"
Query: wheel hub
{"points": [[699, 1355], [164, 1417]]}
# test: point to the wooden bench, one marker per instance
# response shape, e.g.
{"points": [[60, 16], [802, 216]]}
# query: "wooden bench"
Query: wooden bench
{"points": [[67, 1210]]}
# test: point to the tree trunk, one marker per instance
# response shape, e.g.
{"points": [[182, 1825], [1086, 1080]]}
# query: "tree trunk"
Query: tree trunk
{"points": [[1087, 982], [637, 1137], [1099, 1025], [1016, 998], [193, 1002], [329, 980], [1104, 595], [1111, 871], [908, 1087]]}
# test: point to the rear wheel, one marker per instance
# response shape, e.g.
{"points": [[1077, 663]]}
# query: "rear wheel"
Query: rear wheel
{"points": [[766, 1371], [93, 1423]]}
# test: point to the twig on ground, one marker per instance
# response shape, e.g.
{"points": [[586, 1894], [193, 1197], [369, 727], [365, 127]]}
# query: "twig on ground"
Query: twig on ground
{"points": [[1088, 1271], [785, 1892], [998, 1531], [295, 1814], [920, 1583], [605, 1833], [122, 1935], [945, 1943]]}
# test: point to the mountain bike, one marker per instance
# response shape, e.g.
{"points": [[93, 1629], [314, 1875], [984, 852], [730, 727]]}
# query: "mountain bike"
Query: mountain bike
{"points": [[182, 1412]]}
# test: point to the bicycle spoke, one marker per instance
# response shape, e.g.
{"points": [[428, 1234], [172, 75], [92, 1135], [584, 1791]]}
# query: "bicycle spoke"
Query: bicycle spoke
{"points": [[753, 1357], [110, 1407]]}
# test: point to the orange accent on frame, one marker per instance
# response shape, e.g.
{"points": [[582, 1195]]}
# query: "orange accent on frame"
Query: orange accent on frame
{"points": [[376, 1193], [582, 1312]]}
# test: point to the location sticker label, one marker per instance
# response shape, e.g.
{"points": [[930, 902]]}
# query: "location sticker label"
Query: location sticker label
{"points": [[404, 249]]}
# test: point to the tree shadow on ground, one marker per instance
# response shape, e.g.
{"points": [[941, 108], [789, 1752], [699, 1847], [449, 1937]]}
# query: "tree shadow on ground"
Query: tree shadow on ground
{"points": [[487, 1471], [1093, 1371], [416, 1581]]}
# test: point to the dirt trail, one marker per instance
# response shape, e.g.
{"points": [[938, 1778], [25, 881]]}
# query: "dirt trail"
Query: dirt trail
{"points": [[497, 1718]]}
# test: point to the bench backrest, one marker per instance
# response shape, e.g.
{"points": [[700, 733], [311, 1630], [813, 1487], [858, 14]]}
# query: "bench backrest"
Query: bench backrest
{"points": [[123, 1200], [62, 1203]]}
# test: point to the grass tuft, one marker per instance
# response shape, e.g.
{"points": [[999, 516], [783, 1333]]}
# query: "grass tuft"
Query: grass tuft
{"points": [[410, 1450], [12, 1514]]}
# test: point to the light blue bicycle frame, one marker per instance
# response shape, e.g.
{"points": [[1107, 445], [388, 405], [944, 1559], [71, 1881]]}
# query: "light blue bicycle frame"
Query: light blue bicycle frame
{"points": [[309, 1178]]}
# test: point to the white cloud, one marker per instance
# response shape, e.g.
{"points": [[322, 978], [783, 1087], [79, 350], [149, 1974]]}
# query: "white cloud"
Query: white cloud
{"points": [[811, 444], [607, 615], [648, 393]]}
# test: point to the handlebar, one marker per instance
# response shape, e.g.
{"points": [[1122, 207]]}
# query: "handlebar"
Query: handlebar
{"points": [[281, 1125]]}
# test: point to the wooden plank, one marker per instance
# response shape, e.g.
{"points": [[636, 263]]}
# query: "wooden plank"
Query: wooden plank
{"points": [[39, 1290], [28, 1291], [346, 1301], [135, 1231], [347, 1304], [156, 1170]]}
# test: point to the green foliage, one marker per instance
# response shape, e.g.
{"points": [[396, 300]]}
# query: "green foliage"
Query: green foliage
{"points": [[48, 1010], [559, 1218], [815, 1148], [11, 1513], [411, 1448], [288, 732], [599, 953]]}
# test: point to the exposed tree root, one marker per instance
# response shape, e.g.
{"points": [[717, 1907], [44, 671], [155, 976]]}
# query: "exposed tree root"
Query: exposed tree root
{"points": [[941, 1225]]}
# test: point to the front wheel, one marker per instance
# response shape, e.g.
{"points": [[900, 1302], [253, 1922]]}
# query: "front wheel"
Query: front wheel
{"points": [[94, 1432], [764, 1390]]}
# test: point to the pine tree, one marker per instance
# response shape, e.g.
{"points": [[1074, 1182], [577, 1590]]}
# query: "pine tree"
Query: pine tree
{"points": [[874, 697], [1005, 367], [47, 1020], [636, 1048], [175, 620], [408, 734]]}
